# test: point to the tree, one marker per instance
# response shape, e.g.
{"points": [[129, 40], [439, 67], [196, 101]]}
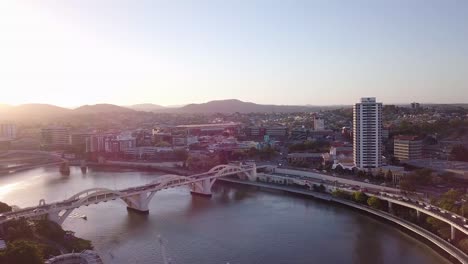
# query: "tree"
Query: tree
{"points": [[374, 202], [339, 169], [463, 245], [407, 185], [389, 176], [380, 175], [181, 154], [341, 194], [23, 252], [4, 208], [459, 153], [18, 229], [361, 174], [322, 188], [360, 197], [449, 199], [50, 230]]}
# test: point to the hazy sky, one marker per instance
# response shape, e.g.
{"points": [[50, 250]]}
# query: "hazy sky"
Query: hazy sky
{"points": [[283, 52]]}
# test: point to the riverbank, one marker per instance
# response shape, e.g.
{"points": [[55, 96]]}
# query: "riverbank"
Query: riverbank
{"points": [[451, 252], [143, 166]]}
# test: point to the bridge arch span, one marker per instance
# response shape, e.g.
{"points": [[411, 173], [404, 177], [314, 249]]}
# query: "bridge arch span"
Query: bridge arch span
{"points": [[222, 169], [78, 200]]}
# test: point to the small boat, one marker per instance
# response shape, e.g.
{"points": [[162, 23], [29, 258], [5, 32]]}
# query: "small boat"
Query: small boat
{"points": [[84, 217]]}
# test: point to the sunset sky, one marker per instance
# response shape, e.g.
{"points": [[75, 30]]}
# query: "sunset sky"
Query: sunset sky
{"points": [[78, 52]]}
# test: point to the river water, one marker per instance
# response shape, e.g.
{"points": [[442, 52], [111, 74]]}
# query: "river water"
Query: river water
{"points": [[238, 224]]}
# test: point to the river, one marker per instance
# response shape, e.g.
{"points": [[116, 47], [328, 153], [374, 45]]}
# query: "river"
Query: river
{"points": [[239, 224]]}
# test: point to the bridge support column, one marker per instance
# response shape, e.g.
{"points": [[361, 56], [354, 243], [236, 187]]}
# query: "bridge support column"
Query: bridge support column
{"points": [[202, 188], [54, 217], [390, 208], [418, 215], [138, 203], [453, 232], [253, 173]]}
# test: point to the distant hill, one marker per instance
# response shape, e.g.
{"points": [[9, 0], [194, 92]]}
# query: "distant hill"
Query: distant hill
{"points": [[101, 108], [146, 107], [234, 105], [32, 111]]}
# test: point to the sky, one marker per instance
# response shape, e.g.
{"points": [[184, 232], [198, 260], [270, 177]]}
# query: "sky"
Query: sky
{"points": [[76, 52]]}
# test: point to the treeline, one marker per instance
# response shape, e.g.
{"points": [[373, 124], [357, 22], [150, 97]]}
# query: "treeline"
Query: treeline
{"points": [[310, 146], [362, 198], [30, 241]]}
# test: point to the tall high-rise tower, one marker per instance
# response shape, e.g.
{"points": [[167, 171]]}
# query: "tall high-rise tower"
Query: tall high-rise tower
{"points": [[367, 133]]}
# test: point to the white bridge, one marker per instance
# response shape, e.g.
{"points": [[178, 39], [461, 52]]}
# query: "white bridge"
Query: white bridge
{"points": [[137, 198]]}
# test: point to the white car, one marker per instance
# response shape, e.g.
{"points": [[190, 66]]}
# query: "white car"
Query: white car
{"points": [[442, 211], [454, 216], [466, 226]]}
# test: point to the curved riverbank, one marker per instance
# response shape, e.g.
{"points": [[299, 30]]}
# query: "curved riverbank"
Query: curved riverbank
{"points": [[273, 227], [451, 250]]}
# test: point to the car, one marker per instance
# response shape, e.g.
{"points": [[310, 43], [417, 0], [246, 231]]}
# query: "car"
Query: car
{"points": [[427, 208], [366, 180], [442, 211], [466, 226], [454, 216]]}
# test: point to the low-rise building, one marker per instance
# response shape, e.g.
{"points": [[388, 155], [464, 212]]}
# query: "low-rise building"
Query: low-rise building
{"points": [[407, 147]]}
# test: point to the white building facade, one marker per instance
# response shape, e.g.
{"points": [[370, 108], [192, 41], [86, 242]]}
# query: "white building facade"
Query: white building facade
{"points": [[367, 134]]}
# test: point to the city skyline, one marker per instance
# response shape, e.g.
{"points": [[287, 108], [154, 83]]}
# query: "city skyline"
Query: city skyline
{"points": [[82, 52]]}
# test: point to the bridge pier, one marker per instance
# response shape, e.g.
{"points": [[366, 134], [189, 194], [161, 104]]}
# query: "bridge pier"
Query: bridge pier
{"points": [[138, 203], [453, 233], [202, 188], [418, 215], [390, 208]]}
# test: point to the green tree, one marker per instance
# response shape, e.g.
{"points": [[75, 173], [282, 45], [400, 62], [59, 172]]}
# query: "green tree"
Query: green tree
{"points": [[339, 169], [407, 185], [374, 202], [463, 245], [322, 188], [4, 208], [361, 174], [50, 230], [18, 229], [449, 199], [341, 194], [380, 175], [389, 176], [459, 153], [360, 197], [21, 251], [181, 154]]}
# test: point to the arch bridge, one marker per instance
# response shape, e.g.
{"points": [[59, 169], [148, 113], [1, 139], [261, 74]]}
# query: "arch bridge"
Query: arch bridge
{"points": [[136, 198]]}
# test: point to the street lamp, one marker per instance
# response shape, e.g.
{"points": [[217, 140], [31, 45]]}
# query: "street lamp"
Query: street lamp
{"points": [[463, 207]]}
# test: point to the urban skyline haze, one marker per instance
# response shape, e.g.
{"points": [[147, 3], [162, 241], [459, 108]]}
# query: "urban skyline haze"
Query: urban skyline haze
{"points": [[71, 53]]}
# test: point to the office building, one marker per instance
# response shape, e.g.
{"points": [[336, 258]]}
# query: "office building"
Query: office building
{"points": [[319, 124], [367, 136], [8, 131], [407, 147], [55, 137]]}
